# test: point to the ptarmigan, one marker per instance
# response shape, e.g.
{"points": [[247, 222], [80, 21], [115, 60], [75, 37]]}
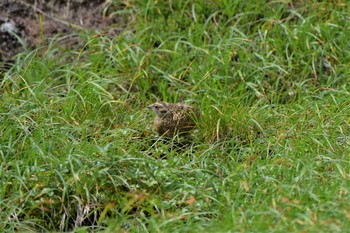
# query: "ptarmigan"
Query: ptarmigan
{"points": [[173, 119]]}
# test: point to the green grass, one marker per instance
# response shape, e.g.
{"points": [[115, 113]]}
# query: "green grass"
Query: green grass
{"points": [[271, 153]]}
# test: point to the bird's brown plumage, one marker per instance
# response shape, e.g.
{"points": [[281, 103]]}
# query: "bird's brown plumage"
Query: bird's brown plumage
{"points": [[173, 119]]}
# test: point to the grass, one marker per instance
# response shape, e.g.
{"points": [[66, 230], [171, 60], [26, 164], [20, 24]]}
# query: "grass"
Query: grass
{"points": [[271, 151]]}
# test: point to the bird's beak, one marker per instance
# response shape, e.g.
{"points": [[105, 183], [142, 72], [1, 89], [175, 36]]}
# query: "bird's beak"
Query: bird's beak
{"points": [[149, 107]]}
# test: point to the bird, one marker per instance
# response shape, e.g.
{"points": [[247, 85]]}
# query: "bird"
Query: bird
{"points": [[174, 119]]}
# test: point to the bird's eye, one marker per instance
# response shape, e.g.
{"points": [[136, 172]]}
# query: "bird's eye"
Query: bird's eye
{"points": [[156, 107]]}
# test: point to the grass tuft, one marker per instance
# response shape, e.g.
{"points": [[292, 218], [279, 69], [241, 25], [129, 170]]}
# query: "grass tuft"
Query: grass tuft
{"points": [[270, 153]]}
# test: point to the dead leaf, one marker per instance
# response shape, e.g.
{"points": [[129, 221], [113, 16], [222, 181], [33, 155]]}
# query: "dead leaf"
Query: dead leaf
{"points": [[191, 200], [245, 186]]}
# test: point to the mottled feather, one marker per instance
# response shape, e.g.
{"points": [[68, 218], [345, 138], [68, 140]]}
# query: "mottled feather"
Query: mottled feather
{"points": [[173, 119]]}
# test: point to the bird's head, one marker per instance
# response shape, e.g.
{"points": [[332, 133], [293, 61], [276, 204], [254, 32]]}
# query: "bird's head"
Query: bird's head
{"points": [[160, 109]]}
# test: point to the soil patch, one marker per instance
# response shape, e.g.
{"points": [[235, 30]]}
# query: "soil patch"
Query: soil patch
{"points": [[32, 22]]}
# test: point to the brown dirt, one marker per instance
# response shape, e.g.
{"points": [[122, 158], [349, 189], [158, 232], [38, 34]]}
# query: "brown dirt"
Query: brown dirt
{"points": [[32, 22]]}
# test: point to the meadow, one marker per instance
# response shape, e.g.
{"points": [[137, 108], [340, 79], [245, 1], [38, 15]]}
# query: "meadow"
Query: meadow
{"points": [[271, 149]]}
